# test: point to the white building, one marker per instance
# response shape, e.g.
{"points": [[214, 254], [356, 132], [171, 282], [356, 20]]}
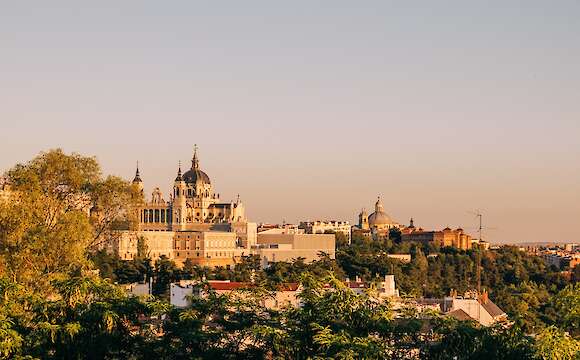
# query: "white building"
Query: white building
{"points": [[322, 227]]}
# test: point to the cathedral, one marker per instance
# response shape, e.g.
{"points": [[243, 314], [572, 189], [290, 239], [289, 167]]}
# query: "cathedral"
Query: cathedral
{"points": [[377, 224], [193, 224], [192, 206]]}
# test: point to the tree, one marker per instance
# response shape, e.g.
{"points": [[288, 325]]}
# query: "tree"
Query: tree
{"points": [[565, 307], [166, 272], [46, 230], [553, 343], [395, 235], [114, 207]]}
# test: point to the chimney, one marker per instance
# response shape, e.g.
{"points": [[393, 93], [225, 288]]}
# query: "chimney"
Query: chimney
{"points": [[484, 297]]}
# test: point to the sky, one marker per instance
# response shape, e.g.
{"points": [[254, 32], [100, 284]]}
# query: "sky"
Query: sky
{"points": [[311, 109]]}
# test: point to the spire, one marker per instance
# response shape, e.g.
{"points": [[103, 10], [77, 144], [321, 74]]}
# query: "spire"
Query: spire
{"points": [[412, 224], [379, 205], [179, 177], [137, 175], [195, 160]]}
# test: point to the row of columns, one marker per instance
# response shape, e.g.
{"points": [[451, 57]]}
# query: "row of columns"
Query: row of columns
{"points": [[162, 216]]}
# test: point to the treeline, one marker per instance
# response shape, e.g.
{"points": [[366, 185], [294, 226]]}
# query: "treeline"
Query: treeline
{"points": [[522, 285], [89, 318]]}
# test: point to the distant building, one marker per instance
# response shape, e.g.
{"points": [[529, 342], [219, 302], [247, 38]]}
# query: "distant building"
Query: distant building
{"points": [[287, 294], [138, 289], [322, 227], [562, 260], [280, 229], [5, 189], [571, 247], [181, 293], [404, 258], [447, 237], [473, 307], [286, 247], [385, 288], [376, 225]]}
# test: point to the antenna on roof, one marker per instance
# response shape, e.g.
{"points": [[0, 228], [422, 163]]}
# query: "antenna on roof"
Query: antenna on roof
{"points": [[479, 216]]}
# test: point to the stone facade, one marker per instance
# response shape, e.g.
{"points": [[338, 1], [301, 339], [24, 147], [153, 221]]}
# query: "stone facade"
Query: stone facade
{"points": [[321, 227], [447, 237], [193, 205]]}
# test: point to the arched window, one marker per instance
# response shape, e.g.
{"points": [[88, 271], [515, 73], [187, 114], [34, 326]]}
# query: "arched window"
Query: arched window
{"points": [[156, 215], [151, 215]]}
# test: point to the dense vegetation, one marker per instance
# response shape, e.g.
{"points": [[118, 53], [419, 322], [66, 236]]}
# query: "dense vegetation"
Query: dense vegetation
{"points": [[54, 305]]}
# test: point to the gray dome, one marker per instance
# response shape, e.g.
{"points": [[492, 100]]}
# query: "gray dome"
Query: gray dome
{"points": [[194, 175], [380, 218]]}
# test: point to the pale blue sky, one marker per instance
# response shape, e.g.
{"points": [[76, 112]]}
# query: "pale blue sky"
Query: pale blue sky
{"points": [[310, 109]]}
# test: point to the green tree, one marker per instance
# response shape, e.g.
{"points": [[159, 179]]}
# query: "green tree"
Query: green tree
{"points": [[553, 343]]}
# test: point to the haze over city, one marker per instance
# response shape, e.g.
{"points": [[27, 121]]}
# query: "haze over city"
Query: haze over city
{"points": [[311, 111]]}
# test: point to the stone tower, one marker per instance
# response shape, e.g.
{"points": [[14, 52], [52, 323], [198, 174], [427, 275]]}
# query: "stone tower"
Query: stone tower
{"points": [[179, 202], [137, 180], [363, 220]]}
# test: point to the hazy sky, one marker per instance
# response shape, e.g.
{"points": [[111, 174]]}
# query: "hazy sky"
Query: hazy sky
{"points": [[310, 109]]}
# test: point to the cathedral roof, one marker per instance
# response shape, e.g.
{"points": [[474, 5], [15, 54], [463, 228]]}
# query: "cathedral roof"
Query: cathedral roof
{"points": [[380, 217], [195, 174]]}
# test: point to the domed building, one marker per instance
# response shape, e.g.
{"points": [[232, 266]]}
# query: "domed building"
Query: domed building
{"points": [[380, 219], [193, 205], [376, 224]]}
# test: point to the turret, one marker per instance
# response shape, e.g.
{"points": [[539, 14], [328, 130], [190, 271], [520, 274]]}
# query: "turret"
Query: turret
{"points": [[137, 180], [363, 220], [179, 201]]}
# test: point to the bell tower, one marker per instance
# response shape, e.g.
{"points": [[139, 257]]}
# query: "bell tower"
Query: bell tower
{"points": [[363, 220], [137, 180], [179, 202]]}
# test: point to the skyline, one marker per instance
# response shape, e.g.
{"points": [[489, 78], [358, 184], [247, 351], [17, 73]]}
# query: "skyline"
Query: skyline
{"points": [[310, 112]]}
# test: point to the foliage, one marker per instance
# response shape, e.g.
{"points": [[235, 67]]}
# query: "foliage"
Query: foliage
{"points": [[46, 229]]}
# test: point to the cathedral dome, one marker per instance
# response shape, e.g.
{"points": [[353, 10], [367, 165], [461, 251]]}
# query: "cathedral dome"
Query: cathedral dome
{"points": [[195, 174], [379, 217]]}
